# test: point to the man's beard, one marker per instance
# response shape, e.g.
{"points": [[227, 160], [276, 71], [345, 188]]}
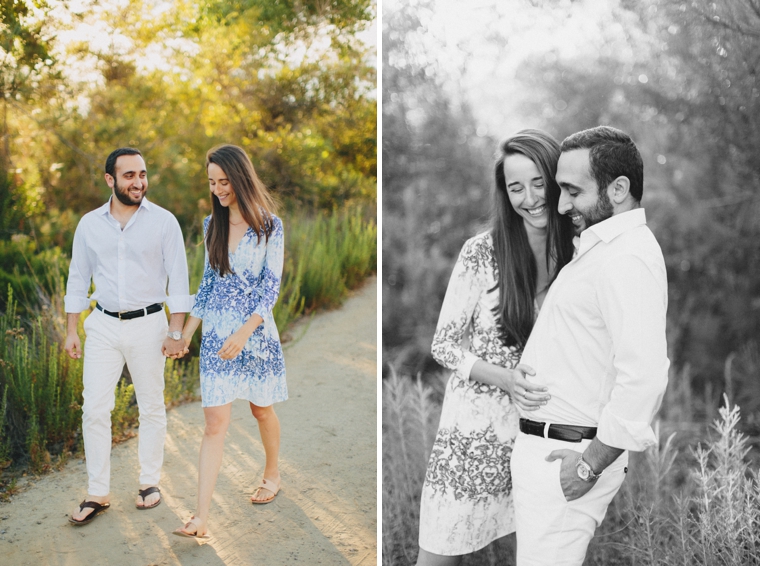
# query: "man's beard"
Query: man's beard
{"points": [[602, 210], [123, 195]]}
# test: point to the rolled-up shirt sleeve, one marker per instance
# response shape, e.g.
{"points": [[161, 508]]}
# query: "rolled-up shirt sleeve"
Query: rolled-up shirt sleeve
{"points": [[462, 294], [633, 303], [178, 297], [268, 287], [80, 273]]}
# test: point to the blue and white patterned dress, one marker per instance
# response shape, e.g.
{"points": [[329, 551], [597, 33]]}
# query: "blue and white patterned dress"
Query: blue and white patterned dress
{"points": [[224, 304]]}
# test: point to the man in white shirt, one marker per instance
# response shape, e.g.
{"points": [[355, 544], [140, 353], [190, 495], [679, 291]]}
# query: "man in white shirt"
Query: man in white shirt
{"points": [[598, 346], [129, 247]]}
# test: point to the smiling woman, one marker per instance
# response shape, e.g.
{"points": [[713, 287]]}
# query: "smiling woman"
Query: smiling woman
{"points": [[241, 355], [526, 190], [495, 289]]}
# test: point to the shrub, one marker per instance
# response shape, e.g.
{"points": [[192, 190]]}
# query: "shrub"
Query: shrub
{"points": [[42, 390]]}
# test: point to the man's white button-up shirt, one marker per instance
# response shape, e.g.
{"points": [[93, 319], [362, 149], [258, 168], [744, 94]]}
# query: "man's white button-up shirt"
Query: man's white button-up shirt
{"points": [[599, 344], [129, 267]]}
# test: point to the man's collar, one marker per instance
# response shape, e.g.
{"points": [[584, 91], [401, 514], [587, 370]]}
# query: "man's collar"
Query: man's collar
{"points": [[609, 229], [106, 208]]}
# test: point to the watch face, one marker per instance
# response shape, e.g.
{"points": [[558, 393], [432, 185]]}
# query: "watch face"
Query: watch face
{"points": [[583, 471]]}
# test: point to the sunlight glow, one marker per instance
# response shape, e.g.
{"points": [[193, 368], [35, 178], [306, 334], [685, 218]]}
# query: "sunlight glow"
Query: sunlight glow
{"points": [[479, 47]]}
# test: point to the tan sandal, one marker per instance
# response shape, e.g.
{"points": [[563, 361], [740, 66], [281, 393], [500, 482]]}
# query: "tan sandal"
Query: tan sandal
{"points": [[183, 533], [269, 485]]}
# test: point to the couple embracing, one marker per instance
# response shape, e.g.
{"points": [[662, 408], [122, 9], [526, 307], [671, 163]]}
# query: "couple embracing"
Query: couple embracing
{"points": [[134, 253], [564, 302]]}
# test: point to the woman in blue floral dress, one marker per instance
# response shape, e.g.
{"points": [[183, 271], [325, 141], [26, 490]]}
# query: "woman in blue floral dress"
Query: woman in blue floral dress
{"points": [[241, 356]]}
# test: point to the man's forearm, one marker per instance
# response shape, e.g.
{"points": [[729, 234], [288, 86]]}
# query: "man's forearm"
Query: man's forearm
{"points": [[176, 320], [598, 455], [72, 321]]}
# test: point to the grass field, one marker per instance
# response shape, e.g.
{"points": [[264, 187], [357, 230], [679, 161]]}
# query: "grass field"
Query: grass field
{"points": [[683, 503], [41, 387]]}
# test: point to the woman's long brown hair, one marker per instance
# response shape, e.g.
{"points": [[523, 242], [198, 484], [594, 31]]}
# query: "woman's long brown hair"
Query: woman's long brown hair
{"points": [[518, 272], [256, 204]]}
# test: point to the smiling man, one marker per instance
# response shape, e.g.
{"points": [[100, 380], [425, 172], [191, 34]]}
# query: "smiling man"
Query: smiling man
{"points": [[598, 346], [130, 248]]}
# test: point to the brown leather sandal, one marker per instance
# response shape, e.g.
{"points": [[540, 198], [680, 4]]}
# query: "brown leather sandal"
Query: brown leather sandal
{"points": [[145, 492], [97, 508]]}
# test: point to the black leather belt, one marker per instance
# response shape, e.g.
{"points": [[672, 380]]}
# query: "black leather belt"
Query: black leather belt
{"points": [[568, 433], [126, 315]]}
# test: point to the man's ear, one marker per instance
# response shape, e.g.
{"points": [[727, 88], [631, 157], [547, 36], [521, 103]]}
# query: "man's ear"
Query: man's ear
{"points": [[109, 180], [619, 189]]}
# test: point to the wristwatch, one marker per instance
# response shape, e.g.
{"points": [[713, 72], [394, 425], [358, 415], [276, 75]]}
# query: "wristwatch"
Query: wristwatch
{"points": [[585, 472], [175, 335]]}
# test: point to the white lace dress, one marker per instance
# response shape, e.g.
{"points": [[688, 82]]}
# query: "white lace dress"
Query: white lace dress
{"points": [[467, 494]]}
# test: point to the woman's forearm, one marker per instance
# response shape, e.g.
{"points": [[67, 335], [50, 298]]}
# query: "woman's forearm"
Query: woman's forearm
{"points": [[489, 374], [191, 325], [252, 323]]}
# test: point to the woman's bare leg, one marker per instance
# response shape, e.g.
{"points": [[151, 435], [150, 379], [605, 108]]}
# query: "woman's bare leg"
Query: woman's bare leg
{"points": [[269, 428], [210, 460]]}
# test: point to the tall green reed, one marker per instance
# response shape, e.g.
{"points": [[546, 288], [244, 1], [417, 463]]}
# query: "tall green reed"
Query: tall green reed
{"points": [[42, 393], [326, 255], [42, 387], [332, 254]]}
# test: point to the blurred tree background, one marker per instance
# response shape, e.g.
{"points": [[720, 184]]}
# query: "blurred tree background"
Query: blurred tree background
{"points": [[292, 82], [680, 77]]}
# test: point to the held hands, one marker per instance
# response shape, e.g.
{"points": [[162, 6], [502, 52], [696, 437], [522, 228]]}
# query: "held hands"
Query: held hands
{"points": [[572, 486], [73, 346], [234, 344], [175, 349], [526, 395]]}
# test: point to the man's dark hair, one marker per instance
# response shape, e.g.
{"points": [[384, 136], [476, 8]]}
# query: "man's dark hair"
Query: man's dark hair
{"points": [[612, 154], [111, 160]]}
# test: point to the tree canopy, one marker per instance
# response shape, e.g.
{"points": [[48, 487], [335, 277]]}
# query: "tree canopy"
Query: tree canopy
{"points": [[288, 81]]}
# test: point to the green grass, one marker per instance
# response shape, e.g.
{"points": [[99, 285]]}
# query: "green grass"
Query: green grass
{"points": [[41, 387], [332, 253], [326, 255], [41, 392]]}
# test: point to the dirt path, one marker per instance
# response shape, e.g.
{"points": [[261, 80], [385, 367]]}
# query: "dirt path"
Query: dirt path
{"points": [[325, 513]]}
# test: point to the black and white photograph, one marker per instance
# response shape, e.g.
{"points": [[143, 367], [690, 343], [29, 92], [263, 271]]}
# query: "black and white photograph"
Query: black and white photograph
{"points": [[570, 282]]}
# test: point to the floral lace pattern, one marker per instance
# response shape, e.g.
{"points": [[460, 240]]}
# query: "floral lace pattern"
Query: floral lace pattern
{"points": [[467, 495], [473, 465], [257, 374]]}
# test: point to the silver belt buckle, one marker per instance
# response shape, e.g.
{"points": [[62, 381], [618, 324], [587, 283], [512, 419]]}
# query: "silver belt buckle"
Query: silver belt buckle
{"points": [[546, 430]]}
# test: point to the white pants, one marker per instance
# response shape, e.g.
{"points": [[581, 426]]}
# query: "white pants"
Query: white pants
{"points": [[111, 342], [550, 530]]}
